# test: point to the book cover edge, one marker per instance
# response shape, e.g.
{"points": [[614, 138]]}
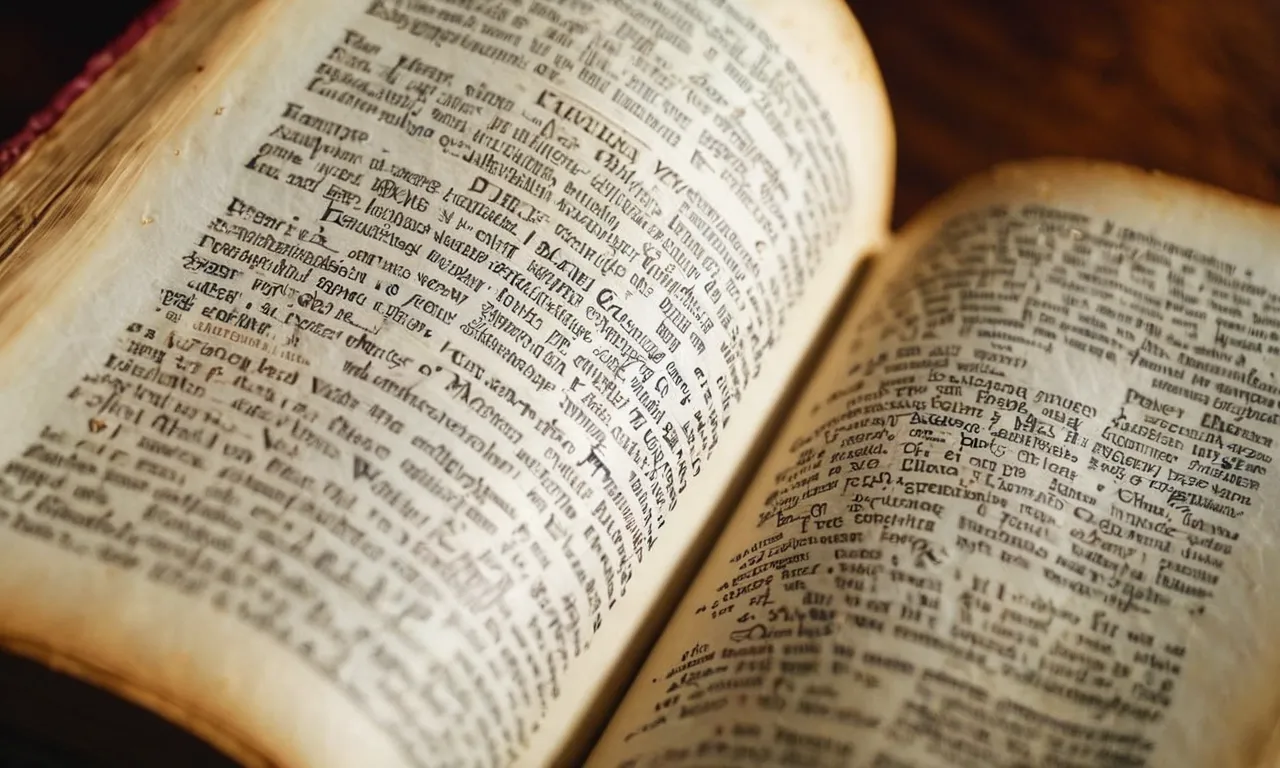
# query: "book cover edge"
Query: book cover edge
{"points": [[13, 148]]}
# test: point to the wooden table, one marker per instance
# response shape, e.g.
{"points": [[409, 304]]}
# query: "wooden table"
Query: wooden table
{"points": [[1182, 86]]}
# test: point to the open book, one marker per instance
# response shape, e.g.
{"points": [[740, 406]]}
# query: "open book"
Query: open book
{"points": [[442, 383]]}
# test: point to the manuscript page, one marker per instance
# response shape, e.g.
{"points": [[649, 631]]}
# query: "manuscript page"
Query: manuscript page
{"points": [[1025, 514], [359, 407]]}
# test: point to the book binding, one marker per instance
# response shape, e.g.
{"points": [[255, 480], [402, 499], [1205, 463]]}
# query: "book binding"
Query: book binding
{"points": [[13, 148]]}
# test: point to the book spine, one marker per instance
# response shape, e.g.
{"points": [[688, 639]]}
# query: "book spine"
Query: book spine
{"points": [[15, 146]]}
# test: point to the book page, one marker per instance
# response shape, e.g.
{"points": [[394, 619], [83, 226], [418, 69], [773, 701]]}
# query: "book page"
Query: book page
{"points": [[1025, 514], [358, 411]]}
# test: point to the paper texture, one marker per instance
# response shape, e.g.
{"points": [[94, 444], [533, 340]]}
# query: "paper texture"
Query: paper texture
{"points": [[1024, 514], [366, 426]]}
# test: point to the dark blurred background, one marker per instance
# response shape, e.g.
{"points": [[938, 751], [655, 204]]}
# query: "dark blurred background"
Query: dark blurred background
{"points": [[45, 43], [1184, 86]]}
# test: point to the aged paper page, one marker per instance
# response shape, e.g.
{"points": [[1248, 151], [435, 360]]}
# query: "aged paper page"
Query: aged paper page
{"points": [[1025, 515], [364, 427]]}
